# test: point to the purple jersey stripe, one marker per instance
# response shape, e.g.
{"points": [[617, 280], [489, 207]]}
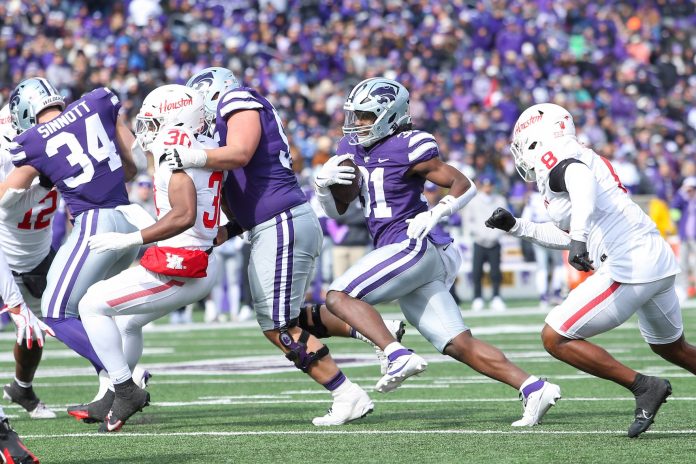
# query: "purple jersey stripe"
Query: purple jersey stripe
{"points": [[393, 273], [278, 272], [378, 267], [288, 279], [71, 258], [83, 257]]}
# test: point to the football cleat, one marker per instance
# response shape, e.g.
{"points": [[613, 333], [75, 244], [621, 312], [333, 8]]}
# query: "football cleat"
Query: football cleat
{"points": [[125, 404], [537, 403], [26, 398], [397, 328], [95, 411], [647, 405], [400, 369], [12, 450], [347, 407]]}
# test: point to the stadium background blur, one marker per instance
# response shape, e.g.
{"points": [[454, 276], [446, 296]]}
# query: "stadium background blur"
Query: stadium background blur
{"points": [[624, 69]]}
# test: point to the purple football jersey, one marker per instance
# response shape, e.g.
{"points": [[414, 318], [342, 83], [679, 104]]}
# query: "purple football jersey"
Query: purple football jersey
{"points": [[389, 196], [266, 186], [78, 152]]}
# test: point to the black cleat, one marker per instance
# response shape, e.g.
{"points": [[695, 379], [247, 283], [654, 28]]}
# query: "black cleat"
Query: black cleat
{"points": [[26, 398], [12, 449], [648, 403], [95, 411], [126, 404]]}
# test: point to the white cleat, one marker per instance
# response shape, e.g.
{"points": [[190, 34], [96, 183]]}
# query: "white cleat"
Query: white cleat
{"points": [[399, 370], [41, 411], [397, 328], [352, 405], [537, 404]]}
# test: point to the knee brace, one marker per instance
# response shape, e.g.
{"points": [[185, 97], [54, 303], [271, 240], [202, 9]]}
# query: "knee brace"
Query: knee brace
{"points": [[318, 329], [298, 350]]}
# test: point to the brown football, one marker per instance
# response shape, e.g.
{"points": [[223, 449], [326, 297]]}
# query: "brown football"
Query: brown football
{"points": [[347, 193]]}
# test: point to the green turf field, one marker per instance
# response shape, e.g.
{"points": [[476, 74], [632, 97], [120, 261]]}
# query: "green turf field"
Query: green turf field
{"points": [[222, 394]]}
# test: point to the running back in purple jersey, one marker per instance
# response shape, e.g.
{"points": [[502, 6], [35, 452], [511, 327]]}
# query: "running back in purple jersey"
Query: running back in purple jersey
{"points": [[390, 195], [78, 152], [266, 186]]}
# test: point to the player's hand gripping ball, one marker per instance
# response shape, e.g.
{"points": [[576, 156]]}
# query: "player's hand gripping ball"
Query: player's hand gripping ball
{"points": [[346, 193]]}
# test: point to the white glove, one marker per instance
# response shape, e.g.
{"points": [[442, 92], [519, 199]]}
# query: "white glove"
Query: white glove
{"points": [[420, 226], [111, 241], [28, 325], [180, 157], [331, 173]]}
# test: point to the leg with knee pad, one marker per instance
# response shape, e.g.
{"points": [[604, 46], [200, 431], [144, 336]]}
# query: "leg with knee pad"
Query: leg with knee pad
{"points": [[297, 350], [318, 329]]}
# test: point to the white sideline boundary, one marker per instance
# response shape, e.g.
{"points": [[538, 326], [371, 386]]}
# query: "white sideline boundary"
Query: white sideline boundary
{"points": [[527, 431]]}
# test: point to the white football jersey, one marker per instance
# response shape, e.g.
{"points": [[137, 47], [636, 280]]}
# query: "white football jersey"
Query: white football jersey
{"points": [[25, 235], [208, 190], [621, 236]]}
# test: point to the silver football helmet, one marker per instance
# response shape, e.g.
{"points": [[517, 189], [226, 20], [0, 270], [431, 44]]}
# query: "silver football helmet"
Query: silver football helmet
{"points": [[29, 98], [212, 83], [385, 100]]}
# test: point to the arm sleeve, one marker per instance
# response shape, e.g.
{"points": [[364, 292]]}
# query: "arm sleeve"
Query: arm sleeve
{"points": [[544, 234], [582, 188], [327, 202], [8, 287], [26, 201]]}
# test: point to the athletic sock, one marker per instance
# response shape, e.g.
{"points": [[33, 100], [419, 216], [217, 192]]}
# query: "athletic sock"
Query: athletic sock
{"points": [[22, 384]]}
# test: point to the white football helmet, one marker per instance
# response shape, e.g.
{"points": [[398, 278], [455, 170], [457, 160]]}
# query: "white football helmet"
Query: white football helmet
{"points": [[212, 83], [169, 105], [7, 132], [535, 130], [384, 98], [29, 98]]}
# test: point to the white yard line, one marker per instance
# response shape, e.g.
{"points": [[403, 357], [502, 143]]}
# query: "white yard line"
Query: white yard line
{"points": [[526, 431]]}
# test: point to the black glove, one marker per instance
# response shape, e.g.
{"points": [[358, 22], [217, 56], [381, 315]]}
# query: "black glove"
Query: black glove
{"points": [[501, 219], [578, 257], [45, 182]]}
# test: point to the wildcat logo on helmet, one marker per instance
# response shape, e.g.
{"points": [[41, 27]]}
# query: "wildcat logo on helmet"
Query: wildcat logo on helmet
{"points": [[202, 82], [384, 93], [169, 106], [525, 124]]}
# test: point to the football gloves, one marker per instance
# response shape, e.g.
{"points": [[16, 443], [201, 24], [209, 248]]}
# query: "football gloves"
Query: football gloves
{"points": [[501, 219], [420, 226], [28, 325], [331, 173], [111, 241], [180, 157], [578, 257]]}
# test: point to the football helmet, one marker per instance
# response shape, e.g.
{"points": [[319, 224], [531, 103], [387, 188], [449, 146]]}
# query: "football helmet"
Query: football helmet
{"points": [[169, 105], [212, 83], [384, 98], [29, 98], [7, 132], [535, 130]]}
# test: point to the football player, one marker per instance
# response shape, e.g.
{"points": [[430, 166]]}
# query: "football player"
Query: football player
{"points": [[413, 262], [605, 231], [178, 271], [25, 238], [265, 199], [84, 150], [29, 328]]}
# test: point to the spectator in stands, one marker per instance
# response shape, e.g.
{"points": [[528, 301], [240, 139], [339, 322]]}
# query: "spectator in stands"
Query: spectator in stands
{"points": [[684, 211]]}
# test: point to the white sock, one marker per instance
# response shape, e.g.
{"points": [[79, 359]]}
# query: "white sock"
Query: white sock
{"points": [[22, 384], [392, 347], [344, 387], [530, 380]]}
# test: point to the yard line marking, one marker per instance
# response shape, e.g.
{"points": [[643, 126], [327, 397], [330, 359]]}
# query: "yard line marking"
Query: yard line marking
{"points": [[529, 431]]}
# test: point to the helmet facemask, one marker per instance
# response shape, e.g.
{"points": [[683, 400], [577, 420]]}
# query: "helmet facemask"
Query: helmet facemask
{"points": [[523, 164], [146, 130]]}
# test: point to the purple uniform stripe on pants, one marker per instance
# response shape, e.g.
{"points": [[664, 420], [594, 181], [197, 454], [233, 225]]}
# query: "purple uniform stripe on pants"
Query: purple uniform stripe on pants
{"points": [[66, 297], [278, 272], [288, 279], [393, 273], [379, 267], [63, 275]]}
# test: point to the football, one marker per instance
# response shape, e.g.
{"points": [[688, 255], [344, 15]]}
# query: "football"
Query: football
{"points": [[347, 193]]}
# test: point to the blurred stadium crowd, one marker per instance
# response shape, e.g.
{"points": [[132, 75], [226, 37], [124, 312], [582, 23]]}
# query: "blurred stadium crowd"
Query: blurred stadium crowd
{"points": [[624, 69]]}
